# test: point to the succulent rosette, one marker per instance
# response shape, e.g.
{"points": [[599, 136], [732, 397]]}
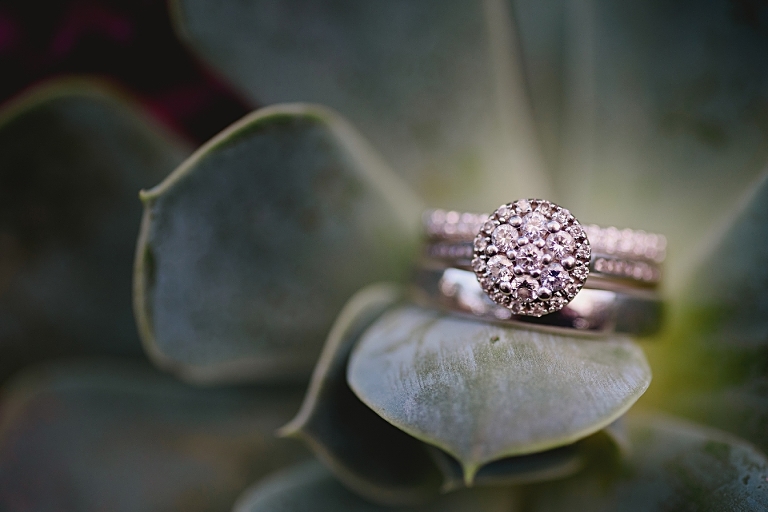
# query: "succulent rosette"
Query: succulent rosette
{"points": [[272, 265]]}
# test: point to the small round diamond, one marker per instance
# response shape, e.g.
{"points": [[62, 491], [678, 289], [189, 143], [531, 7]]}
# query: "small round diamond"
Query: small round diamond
{"points": [[504, 237], [529, 257], [534, 226], [525, 288], [478, 265], [500, 268], [481, 243], [527, 246], [561, 245], [504, 212], [554, 277], [580, 272], [562, 216]]}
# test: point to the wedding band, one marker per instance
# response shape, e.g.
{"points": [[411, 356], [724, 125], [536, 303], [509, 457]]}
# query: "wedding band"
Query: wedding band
{"points": [[610, 241], [532, 257], [592, 312]]}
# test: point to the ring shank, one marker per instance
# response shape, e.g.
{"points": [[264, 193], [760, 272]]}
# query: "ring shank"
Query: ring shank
{"points": [[592, 312]]}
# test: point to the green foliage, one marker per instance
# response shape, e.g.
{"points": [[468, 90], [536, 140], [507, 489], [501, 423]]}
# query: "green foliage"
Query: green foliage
{"points": [[73, 155], [250, 248], [482, 392], [372, 457], [653, 114], [311, 487], [717, 356], [111, 435], [671, 466], [435, 85]]}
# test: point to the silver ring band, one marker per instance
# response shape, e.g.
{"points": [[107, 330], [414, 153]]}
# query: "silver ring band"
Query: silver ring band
{"points": [[592, 312]]}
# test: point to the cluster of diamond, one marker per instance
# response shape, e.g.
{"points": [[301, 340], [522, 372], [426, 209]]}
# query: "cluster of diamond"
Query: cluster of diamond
{"points": [[531, 256]]}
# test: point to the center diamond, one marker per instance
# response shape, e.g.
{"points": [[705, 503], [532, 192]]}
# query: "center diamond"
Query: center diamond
{"points": [[531, 256]]}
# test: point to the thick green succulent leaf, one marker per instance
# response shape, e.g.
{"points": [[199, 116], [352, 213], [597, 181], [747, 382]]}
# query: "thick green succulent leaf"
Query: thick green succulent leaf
{"points": [[714, 367], [483, 392], [554, 464], [74, 155], [97, 435], [250, 248], [376, 459], [312, 487], [436, 85], [657, 111], [370, 456], [672, 466]]}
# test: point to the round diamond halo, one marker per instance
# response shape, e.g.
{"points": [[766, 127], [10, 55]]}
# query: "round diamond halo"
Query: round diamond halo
{"points": [[532, 257]]}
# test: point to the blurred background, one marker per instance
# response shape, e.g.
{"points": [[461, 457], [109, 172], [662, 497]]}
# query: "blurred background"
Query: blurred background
{"points": [[128, 42]]}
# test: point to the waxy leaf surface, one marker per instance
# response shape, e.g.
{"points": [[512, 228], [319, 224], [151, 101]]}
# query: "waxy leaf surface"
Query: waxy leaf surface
{"points": [[312, 487], [436, 85], [672, 466], [98, 435], [654, 115], [483, 392], [73, 156], [367, 454], [250, 248], [714, 364]]}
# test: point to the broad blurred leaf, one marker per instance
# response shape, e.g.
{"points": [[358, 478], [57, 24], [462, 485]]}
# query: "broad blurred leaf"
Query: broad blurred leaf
{"points": [[435, 85], [73, 156], [655, 114], [250, 248], [366, 453], [312, 487], [96, 436], [714, 367], [672, 466], [483, 392]]}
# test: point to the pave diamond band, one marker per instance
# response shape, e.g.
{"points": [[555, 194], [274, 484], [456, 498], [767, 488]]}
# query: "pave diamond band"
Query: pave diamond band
{"points": [[531, 257], [610, 241]]}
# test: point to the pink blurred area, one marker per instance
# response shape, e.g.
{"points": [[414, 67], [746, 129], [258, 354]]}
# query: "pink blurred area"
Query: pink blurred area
{"points": [[130, 43]]}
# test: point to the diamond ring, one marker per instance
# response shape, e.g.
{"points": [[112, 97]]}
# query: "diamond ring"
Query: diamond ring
{"points": [[533, 257]]}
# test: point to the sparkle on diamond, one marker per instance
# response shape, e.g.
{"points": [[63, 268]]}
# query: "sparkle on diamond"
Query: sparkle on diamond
{"points": [[525, 288], [561, 244], [500, 268], [534, 226], [554, 277], [529, 257], [504, 237], [537, 263]]}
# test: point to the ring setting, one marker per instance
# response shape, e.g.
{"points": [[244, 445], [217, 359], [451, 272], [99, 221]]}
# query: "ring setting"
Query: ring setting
{"points": [[531, 256]]}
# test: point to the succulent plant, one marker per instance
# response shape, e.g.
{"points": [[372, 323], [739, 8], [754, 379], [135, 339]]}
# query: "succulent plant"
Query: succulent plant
{"points": [[271, 267]]}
